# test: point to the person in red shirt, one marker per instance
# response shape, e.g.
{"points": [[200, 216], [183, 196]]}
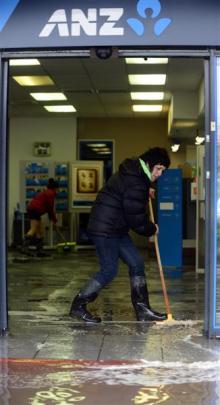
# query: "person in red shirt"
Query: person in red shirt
{"points": [[42, 203]]}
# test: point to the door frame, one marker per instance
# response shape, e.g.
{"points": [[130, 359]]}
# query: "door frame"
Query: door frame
{"points": [[211, 328], [210, 154]]}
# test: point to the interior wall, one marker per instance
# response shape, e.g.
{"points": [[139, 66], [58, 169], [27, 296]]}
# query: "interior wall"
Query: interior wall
{"points": [[23, 132], [132, 136], [178, 158], [191, 154]]}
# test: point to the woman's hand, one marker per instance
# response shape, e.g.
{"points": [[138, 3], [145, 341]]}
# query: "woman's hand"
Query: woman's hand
{"points": [[157, 231], [152, 193]]}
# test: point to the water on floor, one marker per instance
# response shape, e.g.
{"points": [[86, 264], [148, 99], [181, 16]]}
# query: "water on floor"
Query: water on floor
{"points": [[54, 382], [48, 286], [49, 358]]}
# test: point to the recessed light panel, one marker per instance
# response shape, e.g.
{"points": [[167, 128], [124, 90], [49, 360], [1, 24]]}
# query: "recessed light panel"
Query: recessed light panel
{"points": [[96, 145], [48, 96], [146, 108], [143, 61], [24, 62], [34, 80], [157, 95], [149, 79], [101, 149], [104, 153], [60, 108]]}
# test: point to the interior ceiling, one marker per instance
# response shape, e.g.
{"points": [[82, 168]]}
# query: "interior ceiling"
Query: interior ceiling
{"points": [[100, 88]]}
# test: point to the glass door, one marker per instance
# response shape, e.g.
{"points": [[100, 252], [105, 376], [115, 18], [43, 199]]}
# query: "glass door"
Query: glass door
{"points": [[217, 197], [212, 324]]}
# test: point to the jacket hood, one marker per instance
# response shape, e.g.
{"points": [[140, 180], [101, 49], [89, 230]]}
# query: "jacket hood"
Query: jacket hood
{"points": [[132, 167]]}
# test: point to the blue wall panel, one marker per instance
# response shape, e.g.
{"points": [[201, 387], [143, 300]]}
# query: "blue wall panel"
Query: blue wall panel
{"points": [[170, 218]]}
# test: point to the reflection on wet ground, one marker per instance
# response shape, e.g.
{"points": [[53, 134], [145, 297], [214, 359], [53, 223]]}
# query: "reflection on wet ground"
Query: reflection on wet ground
{"points": [[48, 286], [55, 382], [122, 361]]}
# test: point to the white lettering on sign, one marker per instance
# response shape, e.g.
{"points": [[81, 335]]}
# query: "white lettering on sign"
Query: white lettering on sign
{"points": [[58, 18], [113, 14], [82, 22], [88, 23]]}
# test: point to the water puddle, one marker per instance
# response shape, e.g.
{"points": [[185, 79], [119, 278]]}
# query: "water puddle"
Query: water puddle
{"points": [[44, 382]]}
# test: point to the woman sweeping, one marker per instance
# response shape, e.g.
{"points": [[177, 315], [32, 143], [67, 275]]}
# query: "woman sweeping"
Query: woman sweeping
{"points": [[42, 203]]}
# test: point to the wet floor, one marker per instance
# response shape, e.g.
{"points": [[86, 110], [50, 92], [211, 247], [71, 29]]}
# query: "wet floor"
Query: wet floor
{"points": [[54, 382], [49, 358], [48, 286]]}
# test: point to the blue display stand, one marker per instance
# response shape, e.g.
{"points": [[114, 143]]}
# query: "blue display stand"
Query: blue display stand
{"points": [[170, 220]]}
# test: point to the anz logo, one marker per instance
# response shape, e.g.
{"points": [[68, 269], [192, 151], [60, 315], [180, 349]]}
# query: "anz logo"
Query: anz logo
{"points": [[155, 7], [88, 23]]}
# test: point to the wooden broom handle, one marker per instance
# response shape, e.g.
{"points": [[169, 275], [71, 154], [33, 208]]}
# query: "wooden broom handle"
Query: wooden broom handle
{"points": [[167, 304]]}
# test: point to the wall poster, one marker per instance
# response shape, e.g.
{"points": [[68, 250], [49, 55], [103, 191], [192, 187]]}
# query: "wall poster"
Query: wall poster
{"points": [[86, 181]]}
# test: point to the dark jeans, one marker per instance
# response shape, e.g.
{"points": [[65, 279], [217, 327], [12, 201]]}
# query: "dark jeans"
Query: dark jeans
{"points": [[109, 250]]}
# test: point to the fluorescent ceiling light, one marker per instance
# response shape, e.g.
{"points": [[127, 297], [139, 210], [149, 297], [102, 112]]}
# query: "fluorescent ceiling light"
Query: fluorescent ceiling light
{"points": [[101, 149], [175, 147], [34, 80], [104, 153], [96, 145], [48, 96], [159, 95], [143, 108], [144, 61], [24, 62], [149, 79], [60, 108]]}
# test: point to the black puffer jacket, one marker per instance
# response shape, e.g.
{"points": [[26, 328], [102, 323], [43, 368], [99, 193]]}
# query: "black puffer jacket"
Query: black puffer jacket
{"points": [[121, 204]]}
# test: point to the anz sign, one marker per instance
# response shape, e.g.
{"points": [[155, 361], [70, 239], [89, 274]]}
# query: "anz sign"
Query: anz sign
{"points": [[26, 24], [77, 21]]}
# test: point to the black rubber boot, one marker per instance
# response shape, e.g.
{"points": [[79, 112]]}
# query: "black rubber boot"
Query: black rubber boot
{"points": [[86, 295], [27, 241], [140, 301], [40, 250]]}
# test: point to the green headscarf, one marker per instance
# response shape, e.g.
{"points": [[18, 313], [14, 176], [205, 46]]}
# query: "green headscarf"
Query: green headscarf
{"points": [[145, 169]]}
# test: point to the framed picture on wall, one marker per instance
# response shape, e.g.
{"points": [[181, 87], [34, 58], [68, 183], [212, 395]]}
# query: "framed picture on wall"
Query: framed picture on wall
{"points": [[85, 181]]}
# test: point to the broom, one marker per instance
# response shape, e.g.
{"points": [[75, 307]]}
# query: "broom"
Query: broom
{"points": [[167, 303], [66, 245]]}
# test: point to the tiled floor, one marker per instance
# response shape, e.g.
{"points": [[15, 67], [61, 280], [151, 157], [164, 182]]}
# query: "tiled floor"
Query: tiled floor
{"points": [[120, 360]]}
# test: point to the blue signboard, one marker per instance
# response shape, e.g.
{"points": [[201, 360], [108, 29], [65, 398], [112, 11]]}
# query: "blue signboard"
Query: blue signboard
{"points": [[67, 23], [170, 218]]}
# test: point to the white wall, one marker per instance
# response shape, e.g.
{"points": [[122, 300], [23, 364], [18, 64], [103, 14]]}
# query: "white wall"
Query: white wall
{"points": [[23, 132], [191, 154]]}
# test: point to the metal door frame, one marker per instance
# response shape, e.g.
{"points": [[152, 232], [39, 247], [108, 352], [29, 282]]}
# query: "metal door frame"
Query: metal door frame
{"points": [[3, 193], [211, 328]]}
